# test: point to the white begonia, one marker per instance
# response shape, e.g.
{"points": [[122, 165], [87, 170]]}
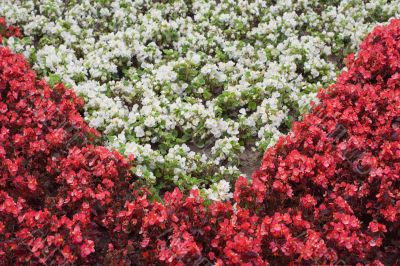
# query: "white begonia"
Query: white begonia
{"points": [[219, 191], [196, 58], [166, 73], [150, 121], [139, 131], [225, 75]]}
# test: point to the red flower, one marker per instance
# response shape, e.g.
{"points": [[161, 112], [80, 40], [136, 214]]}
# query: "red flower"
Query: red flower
{"points": [[87, 248]]}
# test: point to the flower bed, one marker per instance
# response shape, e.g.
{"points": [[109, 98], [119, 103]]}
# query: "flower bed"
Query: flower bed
{"points": [[196, 89], [328, 193]]}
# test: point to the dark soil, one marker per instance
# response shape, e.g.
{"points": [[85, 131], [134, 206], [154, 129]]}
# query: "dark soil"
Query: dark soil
{"points": [[249, 161]]}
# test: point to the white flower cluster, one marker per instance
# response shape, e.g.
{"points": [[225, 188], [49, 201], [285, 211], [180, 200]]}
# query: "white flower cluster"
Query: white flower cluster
{"points": [[187, 85], [219, 191]]}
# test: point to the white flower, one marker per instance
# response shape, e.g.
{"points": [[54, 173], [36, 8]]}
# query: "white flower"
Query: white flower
{"points": [[149, 121], [139, 131], [166, 73], [219, 191]]}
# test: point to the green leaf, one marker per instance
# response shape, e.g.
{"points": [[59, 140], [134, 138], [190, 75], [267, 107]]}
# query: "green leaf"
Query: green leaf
{"points": [[54, 79], [252, 106]]}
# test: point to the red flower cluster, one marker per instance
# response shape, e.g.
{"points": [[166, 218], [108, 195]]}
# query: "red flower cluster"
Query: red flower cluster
{"points": [[8, 31], [328, 193], [57, 191]]}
